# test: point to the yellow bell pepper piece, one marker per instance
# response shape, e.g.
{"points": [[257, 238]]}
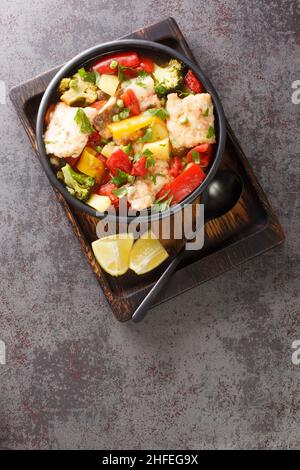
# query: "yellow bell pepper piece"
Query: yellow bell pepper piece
{"points": [[90, 165], [130, 125]]}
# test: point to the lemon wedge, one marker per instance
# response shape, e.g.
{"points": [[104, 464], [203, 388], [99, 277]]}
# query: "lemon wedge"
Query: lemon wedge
{"points": [[147, 253], [112, 253]]}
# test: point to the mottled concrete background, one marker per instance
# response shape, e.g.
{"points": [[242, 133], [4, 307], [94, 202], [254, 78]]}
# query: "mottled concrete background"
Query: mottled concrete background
{"points": [[211, 369]]}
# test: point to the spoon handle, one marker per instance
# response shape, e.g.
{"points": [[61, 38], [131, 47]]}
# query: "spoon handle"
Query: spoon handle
{"points": [[212, 210], [157, 288]]}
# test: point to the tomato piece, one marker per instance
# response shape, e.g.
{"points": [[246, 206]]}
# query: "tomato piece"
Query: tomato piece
{"points": [[146, 64], [139, 168], [130, 73], [94, 139], [204, 152], [119, 160], [125, 59], [176, 167], [183, 185], [107, 190], [98, 104], [130, 101], [164, 193], [192, 82], [72, 161]]}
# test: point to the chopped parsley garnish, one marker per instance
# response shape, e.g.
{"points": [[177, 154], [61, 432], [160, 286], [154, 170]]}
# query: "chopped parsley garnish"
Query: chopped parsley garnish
{"points": [[205, 114], [195, 156], [136, 157], [127, 148], [98, 149], [143, 73], [184, 120], [120, 192], [147, 137], [122, 178], [147, 153], [161, 205], [140, 82], [121, 69], [160, 199], [149, 156], [97, 78], [83, 121], [153, 177], [159, 112], [120, 72], [210, 132], [150, 162], [87, 76], [183, 94]]}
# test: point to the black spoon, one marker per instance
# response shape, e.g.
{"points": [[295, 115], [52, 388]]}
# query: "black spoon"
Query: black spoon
{"points": [[220, 196]]}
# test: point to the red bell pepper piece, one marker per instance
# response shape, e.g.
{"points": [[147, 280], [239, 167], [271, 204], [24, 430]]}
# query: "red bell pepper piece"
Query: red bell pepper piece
{"points": [[139, 168], [119, 160], [131, 102], [176, 167], [72, 161], [183, 185], [192, 82], [204, 152], [107, 190], [125, 59], [146, 64]]}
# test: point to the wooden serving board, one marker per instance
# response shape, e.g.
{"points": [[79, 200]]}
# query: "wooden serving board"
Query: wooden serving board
{"points": [[248, 230]]}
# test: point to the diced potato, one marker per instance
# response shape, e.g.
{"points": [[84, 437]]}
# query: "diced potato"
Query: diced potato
{"points": [[100, 203], [159, 129], [160, 149], [108, 83], [108, 149]]}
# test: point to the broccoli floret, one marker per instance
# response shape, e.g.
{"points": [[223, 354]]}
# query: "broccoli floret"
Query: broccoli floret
{"points": [[64, 85], [78, 184], [168, 78], [77, 90]]}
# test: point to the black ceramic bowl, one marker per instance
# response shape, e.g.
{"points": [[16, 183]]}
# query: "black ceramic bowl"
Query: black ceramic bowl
{"points": [[147, 48]]}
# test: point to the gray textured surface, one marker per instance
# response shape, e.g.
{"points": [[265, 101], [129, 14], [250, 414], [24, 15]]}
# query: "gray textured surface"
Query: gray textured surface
{"points": [[209, 369]]}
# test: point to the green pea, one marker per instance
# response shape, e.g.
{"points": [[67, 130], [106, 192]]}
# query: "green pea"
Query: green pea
{"points": [[113, 64]]}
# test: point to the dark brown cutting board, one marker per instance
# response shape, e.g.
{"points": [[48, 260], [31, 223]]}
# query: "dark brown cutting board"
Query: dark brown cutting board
{"points": [[248, 230]]}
